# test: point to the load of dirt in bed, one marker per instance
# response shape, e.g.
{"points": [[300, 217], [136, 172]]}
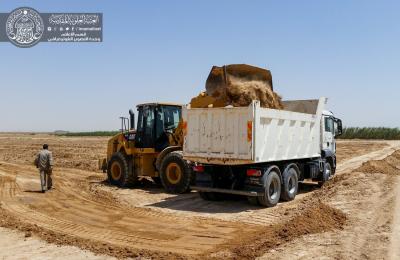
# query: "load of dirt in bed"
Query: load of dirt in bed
{"points": [[238, 85], [241, 92]]}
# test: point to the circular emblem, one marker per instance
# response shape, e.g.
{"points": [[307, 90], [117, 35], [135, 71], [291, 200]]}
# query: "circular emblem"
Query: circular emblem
{"points": [[24, 27]]}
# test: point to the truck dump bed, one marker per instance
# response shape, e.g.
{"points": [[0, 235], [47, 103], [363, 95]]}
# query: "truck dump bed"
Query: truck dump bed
{"points": [[246, 135]]}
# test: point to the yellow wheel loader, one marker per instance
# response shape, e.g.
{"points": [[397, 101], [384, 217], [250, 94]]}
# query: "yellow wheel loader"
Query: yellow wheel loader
{"points": [[153, 149]]}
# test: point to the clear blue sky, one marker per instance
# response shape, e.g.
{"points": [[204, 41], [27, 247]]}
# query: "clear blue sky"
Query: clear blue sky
{"points": [[348, 51]]}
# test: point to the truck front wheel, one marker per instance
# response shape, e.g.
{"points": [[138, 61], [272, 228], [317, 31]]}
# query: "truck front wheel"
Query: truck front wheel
{"points": [[326, 174], [272, 190], [176, 174]]}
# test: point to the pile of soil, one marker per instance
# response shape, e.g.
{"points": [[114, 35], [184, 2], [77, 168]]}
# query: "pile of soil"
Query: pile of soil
{"points": [[390, 165], [309, 219]]}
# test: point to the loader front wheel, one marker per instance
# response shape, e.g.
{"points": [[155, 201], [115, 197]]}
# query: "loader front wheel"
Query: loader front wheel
{"points": [[119, 171], [176, 174]]}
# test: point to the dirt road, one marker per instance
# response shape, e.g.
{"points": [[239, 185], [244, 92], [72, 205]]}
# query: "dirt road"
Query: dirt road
{"points": [[15, 245], [369, 195], [85, 212], [71, 208]]}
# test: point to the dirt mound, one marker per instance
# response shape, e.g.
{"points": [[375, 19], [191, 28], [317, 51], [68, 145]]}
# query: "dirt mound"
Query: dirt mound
{"points": [[316, 218], [390, 165]]}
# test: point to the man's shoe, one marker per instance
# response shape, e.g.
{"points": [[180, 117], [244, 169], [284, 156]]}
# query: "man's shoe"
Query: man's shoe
{"points": [[43, 191]]}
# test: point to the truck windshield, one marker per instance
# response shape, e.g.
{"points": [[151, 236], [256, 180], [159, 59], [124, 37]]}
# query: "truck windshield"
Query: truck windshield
{"points": [[329, 127]]}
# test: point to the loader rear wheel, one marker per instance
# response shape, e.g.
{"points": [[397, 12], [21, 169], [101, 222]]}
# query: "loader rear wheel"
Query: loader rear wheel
{"points": [[119, 171], [272, 190], [176, 174], [290, 184]]}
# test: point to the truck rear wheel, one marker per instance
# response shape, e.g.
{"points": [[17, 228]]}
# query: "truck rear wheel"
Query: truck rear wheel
{"points": [[119, 171], [272, 190], [176, 174], [290, 184]]}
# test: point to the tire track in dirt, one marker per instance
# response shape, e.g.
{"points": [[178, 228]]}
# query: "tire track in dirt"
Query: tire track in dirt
{"points": [[371, 230], [74, 207], [394, 250], [68, 210], [266, 216]]}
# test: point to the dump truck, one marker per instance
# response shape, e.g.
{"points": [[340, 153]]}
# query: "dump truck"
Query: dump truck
{"points": [[258, 152], [152, 149]]}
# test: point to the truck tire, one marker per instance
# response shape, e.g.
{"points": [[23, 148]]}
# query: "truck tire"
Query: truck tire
{"points": [[326, 174], [290, 184], [176, 174], [333, 162], [272, 190], [120, 172]]}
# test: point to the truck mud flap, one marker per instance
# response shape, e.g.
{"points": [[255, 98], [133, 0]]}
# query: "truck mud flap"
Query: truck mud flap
{"points": [[227, 191]]}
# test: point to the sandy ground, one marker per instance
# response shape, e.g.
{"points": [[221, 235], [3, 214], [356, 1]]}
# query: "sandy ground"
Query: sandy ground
{"points": [[84, 213], [369, 196], [14, 245]]}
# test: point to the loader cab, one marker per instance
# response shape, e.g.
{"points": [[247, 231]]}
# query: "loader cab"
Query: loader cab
{"points": [[155, 122], [331, 128]]}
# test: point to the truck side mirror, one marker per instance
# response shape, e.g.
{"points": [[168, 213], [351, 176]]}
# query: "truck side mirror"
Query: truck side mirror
{"points": [[132, 119], [339, 129]]}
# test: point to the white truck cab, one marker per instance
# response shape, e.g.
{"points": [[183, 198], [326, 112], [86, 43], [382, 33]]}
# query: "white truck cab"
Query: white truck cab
{"points": [[331, 127]]}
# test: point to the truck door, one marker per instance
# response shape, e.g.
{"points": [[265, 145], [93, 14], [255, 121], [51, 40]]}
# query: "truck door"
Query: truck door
{"points": [[328, 134]]}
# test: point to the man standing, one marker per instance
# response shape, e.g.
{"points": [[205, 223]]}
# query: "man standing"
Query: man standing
{"points": [[44, 162]]}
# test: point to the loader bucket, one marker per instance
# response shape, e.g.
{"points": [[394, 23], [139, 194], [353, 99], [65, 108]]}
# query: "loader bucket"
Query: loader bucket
{"points": [[219, 78], [238, 85]]}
